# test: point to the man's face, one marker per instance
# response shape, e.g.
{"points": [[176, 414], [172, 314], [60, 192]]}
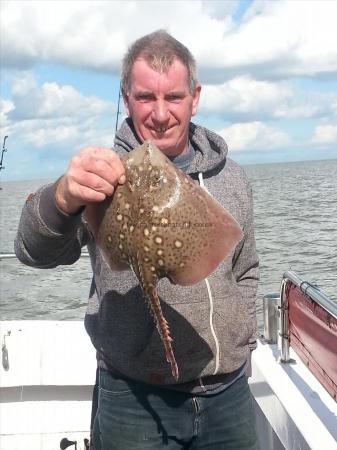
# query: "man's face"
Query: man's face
{"points": [[161, 105]]}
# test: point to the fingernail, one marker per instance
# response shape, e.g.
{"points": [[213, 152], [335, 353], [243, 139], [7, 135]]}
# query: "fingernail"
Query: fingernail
{"points": [[122, 179]]}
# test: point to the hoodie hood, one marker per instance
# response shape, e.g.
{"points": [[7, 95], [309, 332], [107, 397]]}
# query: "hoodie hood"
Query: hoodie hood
{"points": [[210, 148]]}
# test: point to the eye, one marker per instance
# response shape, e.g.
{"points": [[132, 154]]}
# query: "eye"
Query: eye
{"points": [[132, 179], [131, 185], [144, 98], [155, 178], [174, 98]]}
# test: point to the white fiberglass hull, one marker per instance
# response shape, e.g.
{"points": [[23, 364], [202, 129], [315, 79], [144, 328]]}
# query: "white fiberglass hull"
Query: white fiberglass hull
{"points": [[46, 392]]}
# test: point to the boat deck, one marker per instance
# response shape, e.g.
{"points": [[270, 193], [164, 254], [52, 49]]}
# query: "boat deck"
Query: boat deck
{"points": [[46, 391], [299, 409]]}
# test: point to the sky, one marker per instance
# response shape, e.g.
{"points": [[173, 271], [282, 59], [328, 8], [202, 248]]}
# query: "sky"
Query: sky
{"points": [[268, 71]]}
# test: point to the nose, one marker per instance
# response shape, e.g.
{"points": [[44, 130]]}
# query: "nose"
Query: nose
{"points": [[160, 113]]}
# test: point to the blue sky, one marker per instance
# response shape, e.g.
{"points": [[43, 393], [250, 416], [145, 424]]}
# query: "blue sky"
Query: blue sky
{"points": [[268, 71]]}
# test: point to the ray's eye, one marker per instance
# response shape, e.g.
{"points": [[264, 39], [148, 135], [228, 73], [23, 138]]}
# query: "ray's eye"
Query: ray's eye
{"points": [[130, 182], [155, 178], [132, 179]]}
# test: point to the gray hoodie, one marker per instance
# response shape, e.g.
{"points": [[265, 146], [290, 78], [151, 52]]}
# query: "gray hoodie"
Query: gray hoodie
{"points": [[213, 323]]}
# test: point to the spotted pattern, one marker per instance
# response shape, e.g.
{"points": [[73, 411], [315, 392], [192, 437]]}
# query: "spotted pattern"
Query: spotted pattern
{"points": [[162, 224]]}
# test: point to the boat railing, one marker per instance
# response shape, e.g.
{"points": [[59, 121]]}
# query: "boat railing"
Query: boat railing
{"points": [[300, 316], [309, 290], [307, 322], [4, 149], [9, 255]]}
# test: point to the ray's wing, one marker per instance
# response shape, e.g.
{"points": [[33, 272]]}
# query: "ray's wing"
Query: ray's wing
{"points": [[211, 235]]}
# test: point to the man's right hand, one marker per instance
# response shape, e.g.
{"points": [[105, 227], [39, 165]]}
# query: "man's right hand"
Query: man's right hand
{"points": [[91, 176]]}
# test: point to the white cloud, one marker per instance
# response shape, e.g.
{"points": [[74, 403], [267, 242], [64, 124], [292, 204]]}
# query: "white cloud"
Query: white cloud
{"points": [[306, 104], [94, 34], [52, 115], [254, 136], [51, 100], [252, 72], [6, 106], [218, 8], [244, 96], [276, 39], [325, 134], [282, 38]]}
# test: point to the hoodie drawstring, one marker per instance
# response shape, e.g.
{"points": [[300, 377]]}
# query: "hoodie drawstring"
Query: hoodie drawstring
{"points": [[211, 303]]}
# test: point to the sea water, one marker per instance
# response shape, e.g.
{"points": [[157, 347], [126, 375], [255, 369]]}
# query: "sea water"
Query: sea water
{"points": [[295, 213]]}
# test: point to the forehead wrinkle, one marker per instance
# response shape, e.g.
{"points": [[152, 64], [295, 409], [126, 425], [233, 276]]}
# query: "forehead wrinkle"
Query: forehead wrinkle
{"points": [[152, 81]]}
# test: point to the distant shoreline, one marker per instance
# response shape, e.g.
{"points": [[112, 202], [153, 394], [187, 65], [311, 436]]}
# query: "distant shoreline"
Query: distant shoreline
{"points": [[249, 164]]}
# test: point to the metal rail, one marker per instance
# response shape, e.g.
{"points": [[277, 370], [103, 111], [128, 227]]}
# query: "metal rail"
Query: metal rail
{"points": [[13, 255], [309, 290], [284, 322], [4, 149]]}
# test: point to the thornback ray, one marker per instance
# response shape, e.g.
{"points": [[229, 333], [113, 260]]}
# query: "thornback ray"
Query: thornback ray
{"points": [[162, 224]]}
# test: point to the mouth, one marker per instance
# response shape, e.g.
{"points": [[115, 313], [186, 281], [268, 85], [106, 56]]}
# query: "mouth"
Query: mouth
{"points": [[160, 130]]}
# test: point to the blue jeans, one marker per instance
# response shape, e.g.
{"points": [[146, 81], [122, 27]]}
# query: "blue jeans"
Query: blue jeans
{"points": [[134, 415]]}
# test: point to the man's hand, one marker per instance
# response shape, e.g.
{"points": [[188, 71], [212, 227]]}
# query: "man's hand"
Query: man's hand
{"points": [[91, 176]]}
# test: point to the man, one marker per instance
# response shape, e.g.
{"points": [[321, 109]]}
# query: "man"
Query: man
{"points": [[213, 324]]}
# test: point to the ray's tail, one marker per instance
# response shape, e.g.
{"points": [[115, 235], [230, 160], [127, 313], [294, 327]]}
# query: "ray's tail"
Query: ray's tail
{"points": [[164, 331], [148, 281]]}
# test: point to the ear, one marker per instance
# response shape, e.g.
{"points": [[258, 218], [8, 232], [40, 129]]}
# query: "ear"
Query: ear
{"points": [[196, 97]]}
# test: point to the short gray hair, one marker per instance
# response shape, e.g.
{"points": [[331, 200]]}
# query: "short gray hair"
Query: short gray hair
{"points": [[159, 49]]}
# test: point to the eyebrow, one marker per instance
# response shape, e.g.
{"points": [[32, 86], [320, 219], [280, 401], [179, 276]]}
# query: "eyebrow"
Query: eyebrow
{"points": [[148, 93], [177, 93], [143, 93]]}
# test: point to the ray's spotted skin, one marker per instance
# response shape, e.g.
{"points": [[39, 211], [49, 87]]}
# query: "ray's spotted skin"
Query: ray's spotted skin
{"points": [[162, 224]]}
